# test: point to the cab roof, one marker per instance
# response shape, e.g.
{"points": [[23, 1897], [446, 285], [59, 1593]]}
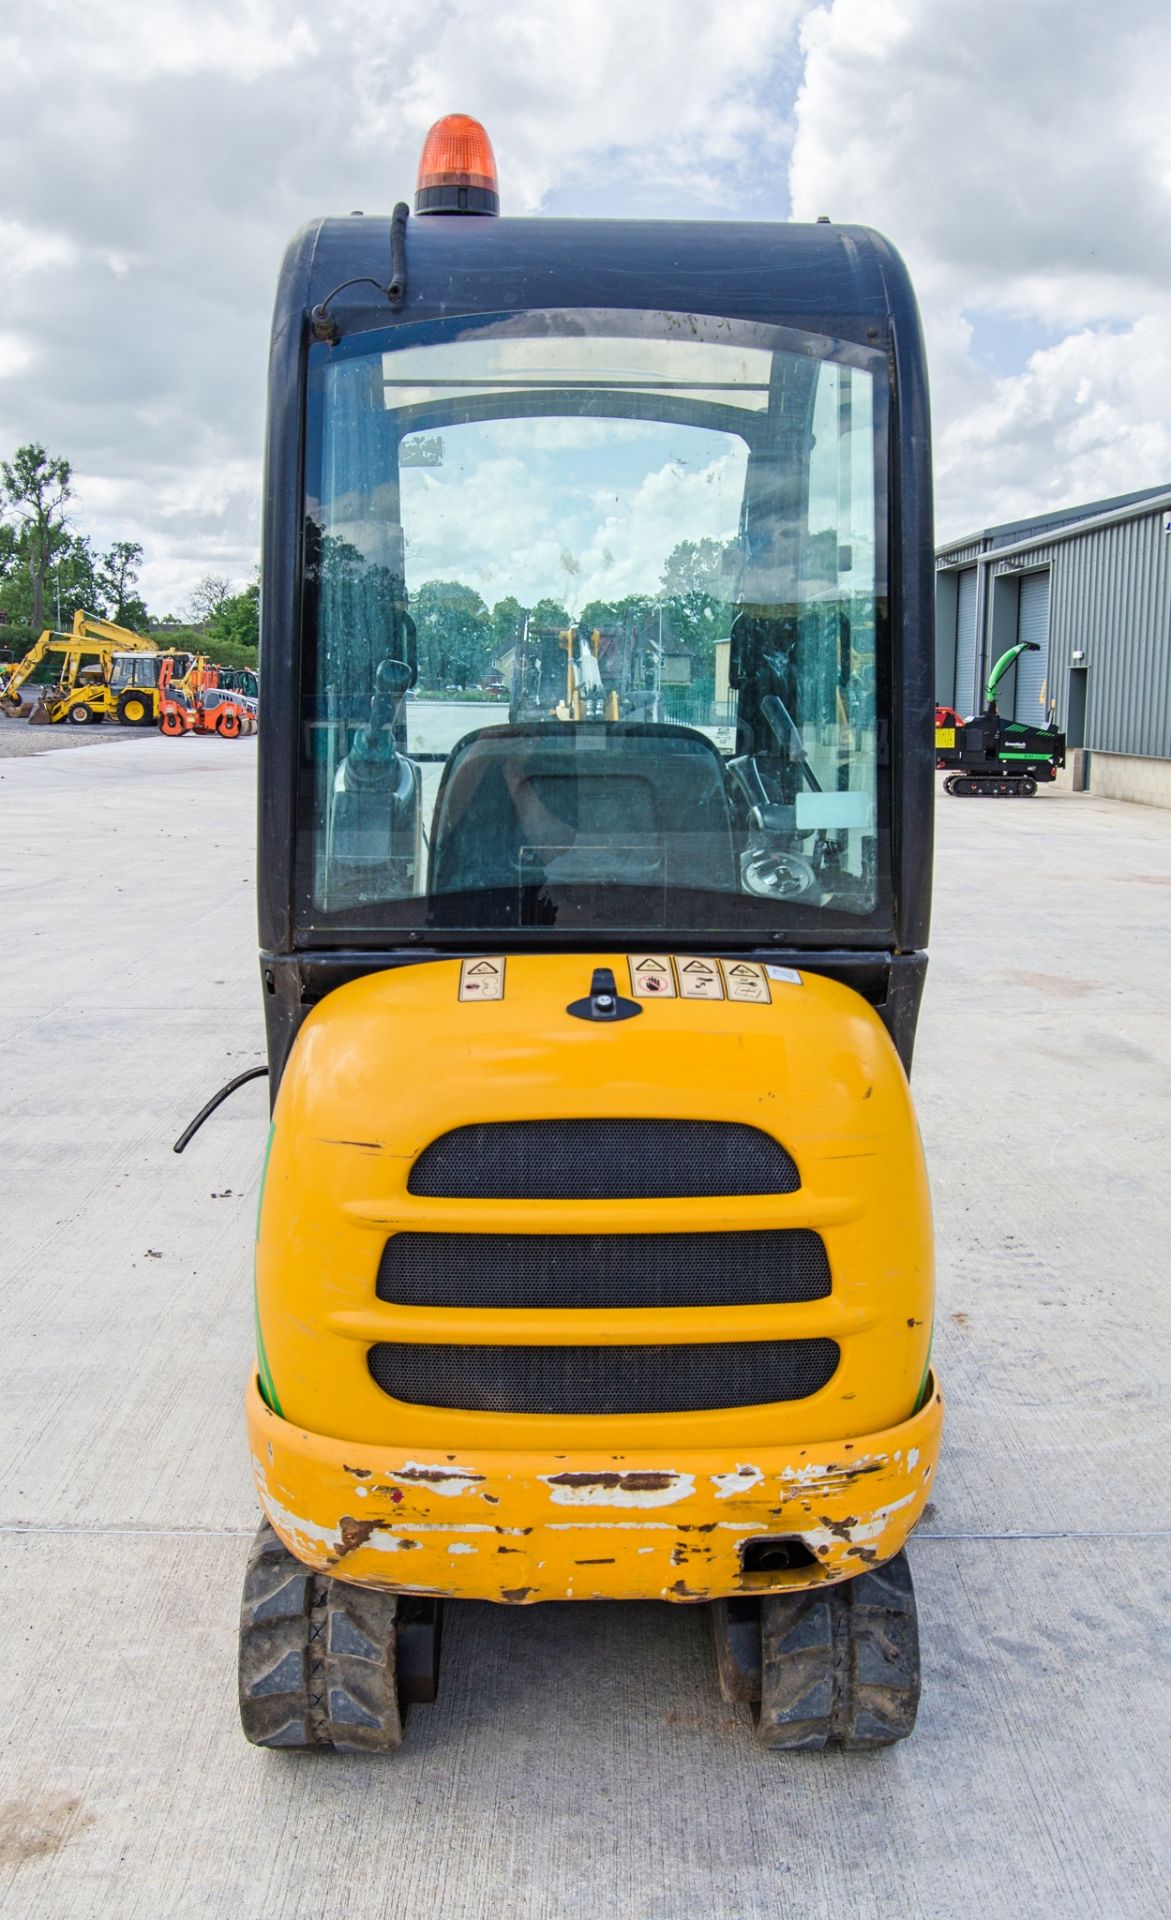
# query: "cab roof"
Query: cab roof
{"points": [[841, 280]]}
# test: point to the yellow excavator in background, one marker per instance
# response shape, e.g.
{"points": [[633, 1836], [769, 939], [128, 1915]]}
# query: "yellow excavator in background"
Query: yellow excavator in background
{"points": [[81, 693], [83, 659]]}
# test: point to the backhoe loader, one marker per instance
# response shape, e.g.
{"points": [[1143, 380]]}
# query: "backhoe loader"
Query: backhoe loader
{"points": [[83, 659], [594, 1254]]}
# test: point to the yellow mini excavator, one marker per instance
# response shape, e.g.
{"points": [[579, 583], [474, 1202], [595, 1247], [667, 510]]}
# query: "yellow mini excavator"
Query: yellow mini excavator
{"points": [[594, 1252]]}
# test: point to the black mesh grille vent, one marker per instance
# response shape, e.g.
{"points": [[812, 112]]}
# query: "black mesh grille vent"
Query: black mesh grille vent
{"points": [[602, 1160], [759, 1267], [570, 1380]]}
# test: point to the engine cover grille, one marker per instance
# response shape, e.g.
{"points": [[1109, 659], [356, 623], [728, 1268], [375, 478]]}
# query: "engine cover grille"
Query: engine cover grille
{"points": [[574, 1380], [758, 1267], [620, 1159]]}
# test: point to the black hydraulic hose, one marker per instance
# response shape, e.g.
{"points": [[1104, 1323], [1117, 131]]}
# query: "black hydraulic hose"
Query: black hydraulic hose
{"points": [[217, 1099], [398, 254]]}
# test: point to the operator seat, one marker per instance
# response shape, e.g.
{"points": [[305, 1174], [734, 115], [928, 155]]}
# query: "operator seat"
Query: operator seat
{"points": [[583, 803]]}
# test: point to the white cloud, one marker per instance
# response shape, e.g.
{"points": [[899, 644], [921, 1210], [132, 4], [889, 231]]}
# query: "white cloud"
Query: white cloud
{"points": [[505, 522], [671, 504], [1088, 418], [25, 250], [245, 41], [16, 354], [490, 525], [1020, 158], [597, 87], [156, 159]]}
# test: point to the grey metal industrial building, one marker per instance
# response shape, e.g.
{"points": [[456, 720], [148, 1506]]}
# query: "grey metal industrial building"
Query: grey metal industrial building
{"points": [[1092, 585]]}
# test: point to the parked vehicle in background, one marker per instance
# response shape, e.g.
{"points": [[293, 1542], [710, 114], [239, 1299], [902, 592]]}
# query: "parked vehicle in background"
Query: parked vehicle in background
{"points": [[83, 659], [202, 703], [134, 683], [991, 758]]}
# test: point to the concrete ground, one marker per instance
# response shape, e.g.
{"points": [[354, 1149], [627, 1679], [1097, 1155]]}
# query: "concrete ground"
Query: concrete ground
{"points": [[579, 1762], [19, 740]]}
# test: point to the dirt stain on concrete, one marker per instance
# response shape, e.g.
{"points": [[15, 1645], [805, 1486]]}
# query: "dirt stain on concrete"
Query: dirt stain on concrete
{"points": [[38, 1826], [1061, 986]]}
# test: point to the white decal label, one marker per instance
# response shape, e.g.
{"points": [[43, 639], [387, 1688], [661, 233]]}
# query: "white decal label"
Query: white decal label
{"points": [[699, 979], [651, 976], [784, 973], [744, 980], [482, 979]]}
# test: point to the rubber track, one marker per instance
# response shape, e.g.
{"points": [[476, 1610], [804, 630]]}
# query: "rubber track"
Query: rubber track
{"points": [[990, 786], [317, 1657], [840, 1665]]}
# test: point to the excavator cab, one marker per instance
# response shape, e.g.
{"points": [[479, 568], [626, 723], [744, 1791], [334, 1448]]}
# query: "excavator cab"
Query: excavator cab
{"points": [[594, 1250]]}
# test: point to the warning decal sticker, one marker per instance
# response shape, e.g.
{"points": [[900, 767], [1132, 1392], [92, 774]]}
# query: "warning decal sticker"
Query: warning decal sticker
{"points": [[482, 979], [744, 980], [651, 976], [689, 976], [699, 979]]}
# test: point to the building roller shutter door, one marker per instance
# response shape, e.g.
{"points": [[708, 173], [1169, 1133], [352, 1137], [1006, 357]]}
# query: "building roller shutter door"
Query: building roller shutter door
{"points": [[966, 699], [1032, 669]]}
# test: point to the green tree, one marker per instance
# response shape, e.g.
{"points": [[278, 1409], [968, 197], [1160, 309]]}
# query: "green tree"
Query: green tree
{"points": [[36, 487], [599, 613], [548, 613], [508, 617], [696, 612], [207, 597], [9, 558], [456, 637], [695, 566], [236, 620], [116, 578], [624, 614], [69, 585], [16, 591], [73, 582]]}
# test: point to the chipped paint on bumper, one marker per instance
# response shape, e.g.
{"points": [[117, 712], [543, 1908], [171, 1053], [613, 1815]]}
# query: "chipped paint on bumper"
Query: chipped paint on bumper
{"points": [[519, 1527]]}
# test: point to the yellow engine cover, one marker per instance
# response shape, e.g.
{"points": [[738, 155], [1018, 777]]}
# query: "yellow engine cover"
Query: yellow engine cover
{"points": [[386, 1065]]}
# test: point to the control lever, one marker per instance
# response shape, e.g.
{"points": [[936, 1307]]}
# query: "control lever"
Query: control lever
{"points": [[374, 845], [787, 735], [774, 819], [373, 759]]}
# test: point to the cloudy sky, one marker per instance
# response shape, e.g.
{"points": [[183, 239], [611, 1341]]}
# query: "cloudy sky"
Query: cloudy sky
{"points": [[155, 158]]}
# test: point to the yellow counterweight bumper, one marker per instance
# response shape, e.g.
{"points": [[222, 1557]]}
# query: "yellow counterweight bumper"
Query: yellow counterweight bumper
{"points": [[521, 1527]]}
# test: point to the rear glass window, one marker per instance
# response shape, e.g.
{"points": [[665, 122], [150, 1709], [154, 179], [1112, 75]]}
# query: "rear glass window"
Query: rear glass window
{"points": [[594, 619]]}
